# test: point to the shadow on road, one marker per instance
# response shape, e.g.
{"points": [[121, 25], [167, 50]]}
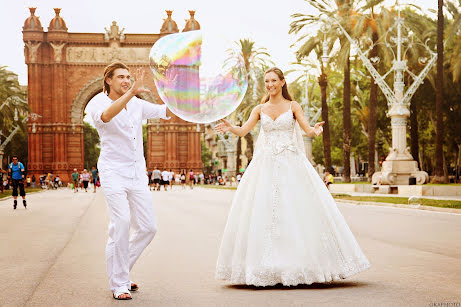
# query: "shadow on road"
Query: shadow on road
{"points": [[314, 286]]}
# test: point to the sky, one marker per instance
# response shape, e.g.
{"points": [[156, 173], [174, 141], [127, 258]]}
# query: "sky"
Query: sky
{"points": [[264, 22]]}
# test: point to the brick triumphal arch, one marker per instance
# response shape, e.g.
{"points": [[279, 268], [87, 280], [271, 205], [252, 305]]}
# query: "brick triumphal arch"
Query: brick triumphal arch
{"points": [[65, 72]]}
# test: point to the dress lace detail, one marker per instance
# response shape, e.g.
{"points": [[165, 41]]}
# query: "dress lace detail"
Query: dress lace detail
{"points": [[284, 226]]}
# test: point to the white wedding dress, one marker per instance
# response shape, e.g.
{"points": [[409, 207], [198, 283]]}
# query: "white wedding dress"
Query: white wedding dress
{"points": [[284, 226]]}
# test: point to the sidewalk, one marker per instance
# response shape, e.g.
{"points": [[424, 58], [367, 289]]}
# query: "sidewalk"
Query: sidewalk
{"points": [[396, 195]]}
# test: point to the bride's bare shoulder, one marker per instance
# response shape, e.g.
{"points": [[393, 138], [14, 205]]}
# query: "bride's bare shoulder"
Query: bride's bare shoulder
{"points": [[257, 108], [295, 105]]}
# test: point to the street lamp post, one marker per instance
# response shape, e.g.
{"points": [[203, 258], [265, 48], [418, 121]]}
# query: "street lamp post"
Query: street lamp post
{"points": [[230, 150], [312, 114], [15, 129], [15, 101], [399, 164], [323, 83]]}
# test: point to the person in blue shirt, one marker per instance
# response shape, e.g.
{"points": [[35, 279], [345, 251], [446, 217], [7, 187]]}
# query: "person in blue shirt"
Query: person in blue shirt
{"points": [[16, 173]]}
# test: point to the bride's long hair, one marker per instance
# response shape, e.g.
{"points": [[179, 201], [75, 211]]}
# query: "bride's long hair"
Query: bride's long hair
{"points": [[285, 93]]}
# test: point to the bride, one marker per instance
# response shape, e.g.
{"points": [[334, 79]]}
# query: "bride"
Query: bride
{"points": [[284, 226]]}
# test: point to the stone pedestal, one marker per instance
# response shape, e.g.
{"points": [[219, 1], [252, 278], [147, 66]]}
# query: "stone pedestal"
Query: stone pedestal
{"points": [[399, 165], [230, 169], [398, 172]]}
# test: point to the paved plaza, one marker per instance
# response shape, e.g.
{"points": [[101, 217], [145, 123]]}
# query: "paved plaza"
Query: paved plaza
{"points": [[52, 254]]}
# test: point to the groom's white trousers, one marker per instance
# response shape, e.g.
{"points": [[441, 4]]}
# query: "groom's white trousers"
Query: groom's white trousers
{"points": [[130, 204]]}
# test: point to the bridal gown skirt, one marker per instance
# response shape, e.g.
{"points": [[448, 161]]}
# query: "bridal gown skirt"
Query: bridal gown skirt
{"points": [[284, 227]]}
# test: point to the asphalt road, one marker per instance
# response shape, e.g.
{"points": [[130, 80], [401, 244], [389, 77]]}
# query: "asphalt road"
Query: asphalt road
{"points": [[52, 254]]}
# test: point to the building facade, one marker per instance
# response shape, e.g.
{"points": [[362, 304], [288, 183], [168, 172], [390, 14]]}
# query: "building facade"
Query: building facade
{"points": [[65, 72]]}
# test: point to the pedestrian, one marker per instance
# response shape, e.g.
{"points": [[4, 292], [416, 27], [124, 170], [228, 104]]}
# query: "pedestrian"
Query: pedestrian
{"points": [[86, 179], [28, 181], [191, 179], [75, 178], [1, 178], [94, 177], [165, 179], [57, 182], [284, 226], [157, 175], [183, 180], [33, 181], [118, 116], [150, 179], [81, 181], [171, 179], [16, 174], [329, 179]]}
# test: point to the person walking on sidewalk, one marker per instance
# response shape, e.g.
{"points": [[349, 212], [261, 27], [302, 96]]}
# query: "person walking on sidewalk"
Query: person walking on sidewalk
{"points": [[16, 173], [118, 115], [94, 177], [75, 177]]}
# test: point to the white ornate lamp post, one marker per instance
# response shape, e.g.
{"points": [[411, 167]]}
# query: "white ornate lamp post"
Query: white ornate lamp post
{"points": [[399, 164], [312, 114], [14, 129], [228, 146]]}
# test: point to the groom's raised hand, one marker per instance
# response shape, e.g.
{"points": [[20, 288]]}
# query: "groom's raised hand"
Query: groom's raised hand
{"points": [[138, 82]]}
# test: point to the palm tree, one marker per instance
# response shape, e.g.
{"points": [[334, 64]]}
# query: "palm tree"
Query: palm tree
{"points": [[453, 41], [255, 60], [13, 95], [347, 12], [316, 44], [368, 25], [439, 175]]}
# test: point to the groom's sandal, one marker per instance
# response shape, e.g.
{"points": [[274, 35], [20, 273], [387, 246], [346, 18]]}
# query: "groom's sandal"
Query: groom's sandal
{"points": [[118, 294], [134, 287]]}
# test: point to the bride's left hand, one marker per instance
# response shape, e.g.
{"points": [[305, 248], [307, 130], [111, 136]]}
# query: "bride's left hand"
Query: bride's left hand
{"points": [[318, 129]]}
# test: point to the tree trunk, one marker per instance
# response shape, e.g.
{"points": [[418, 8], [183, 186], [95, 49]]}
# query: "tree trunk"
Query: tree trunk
{"points": [[372, 112], [249, 151], [326, 128], [414, 137], [439, 174], [458, 164], [347, 121]]}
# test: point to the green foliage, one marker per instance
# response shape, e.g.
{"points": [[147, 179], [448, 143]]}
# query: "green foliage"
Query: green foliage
{"points": [[206, 154], [13, 99], [362, 23], [92, 145], [18, 144]]}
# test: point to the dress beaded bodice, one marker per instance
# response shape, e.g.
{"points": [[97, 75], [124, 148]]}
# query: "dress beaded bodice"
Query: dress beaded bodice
{"points": [[279, 132]]}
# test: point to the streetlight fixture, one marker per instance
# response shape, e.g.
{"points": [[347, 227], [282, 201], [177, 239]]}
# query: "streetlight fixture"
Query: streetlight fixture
{"points": [[399, 164], [15, 100]]}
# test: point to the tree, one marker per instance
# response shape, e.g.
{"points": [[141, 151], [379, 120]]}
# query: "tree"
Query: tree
{"points": [[316, 44], [92, 145], [439, 174], [255, 60], [346, 12], [14, 107]]}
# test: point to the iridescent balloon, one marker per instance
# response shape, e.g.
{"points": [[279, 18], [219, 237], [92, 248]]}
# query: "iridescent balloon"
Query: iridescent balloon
{"points": [[191, 79]]}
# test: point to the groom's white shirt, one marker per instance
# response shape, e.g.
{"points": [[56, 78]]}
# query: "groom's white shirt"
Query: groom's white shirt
{"points": [[121, 138]]}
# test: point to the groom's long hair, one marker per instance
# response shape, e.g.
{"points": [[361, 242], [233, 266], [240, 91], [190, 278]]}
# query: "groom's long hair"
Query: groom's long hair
{"points": [[285, 93]]}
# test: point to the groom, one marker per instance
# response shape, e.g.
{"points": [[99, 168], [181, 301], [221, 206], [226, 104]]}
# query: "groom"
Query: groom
{"points": [[118, 116]]}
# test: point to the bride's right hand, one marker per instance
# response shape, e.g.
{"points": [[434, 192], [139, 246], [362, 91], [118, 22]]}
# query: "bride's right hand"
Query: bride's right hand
{"points": [[223, 127]]}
